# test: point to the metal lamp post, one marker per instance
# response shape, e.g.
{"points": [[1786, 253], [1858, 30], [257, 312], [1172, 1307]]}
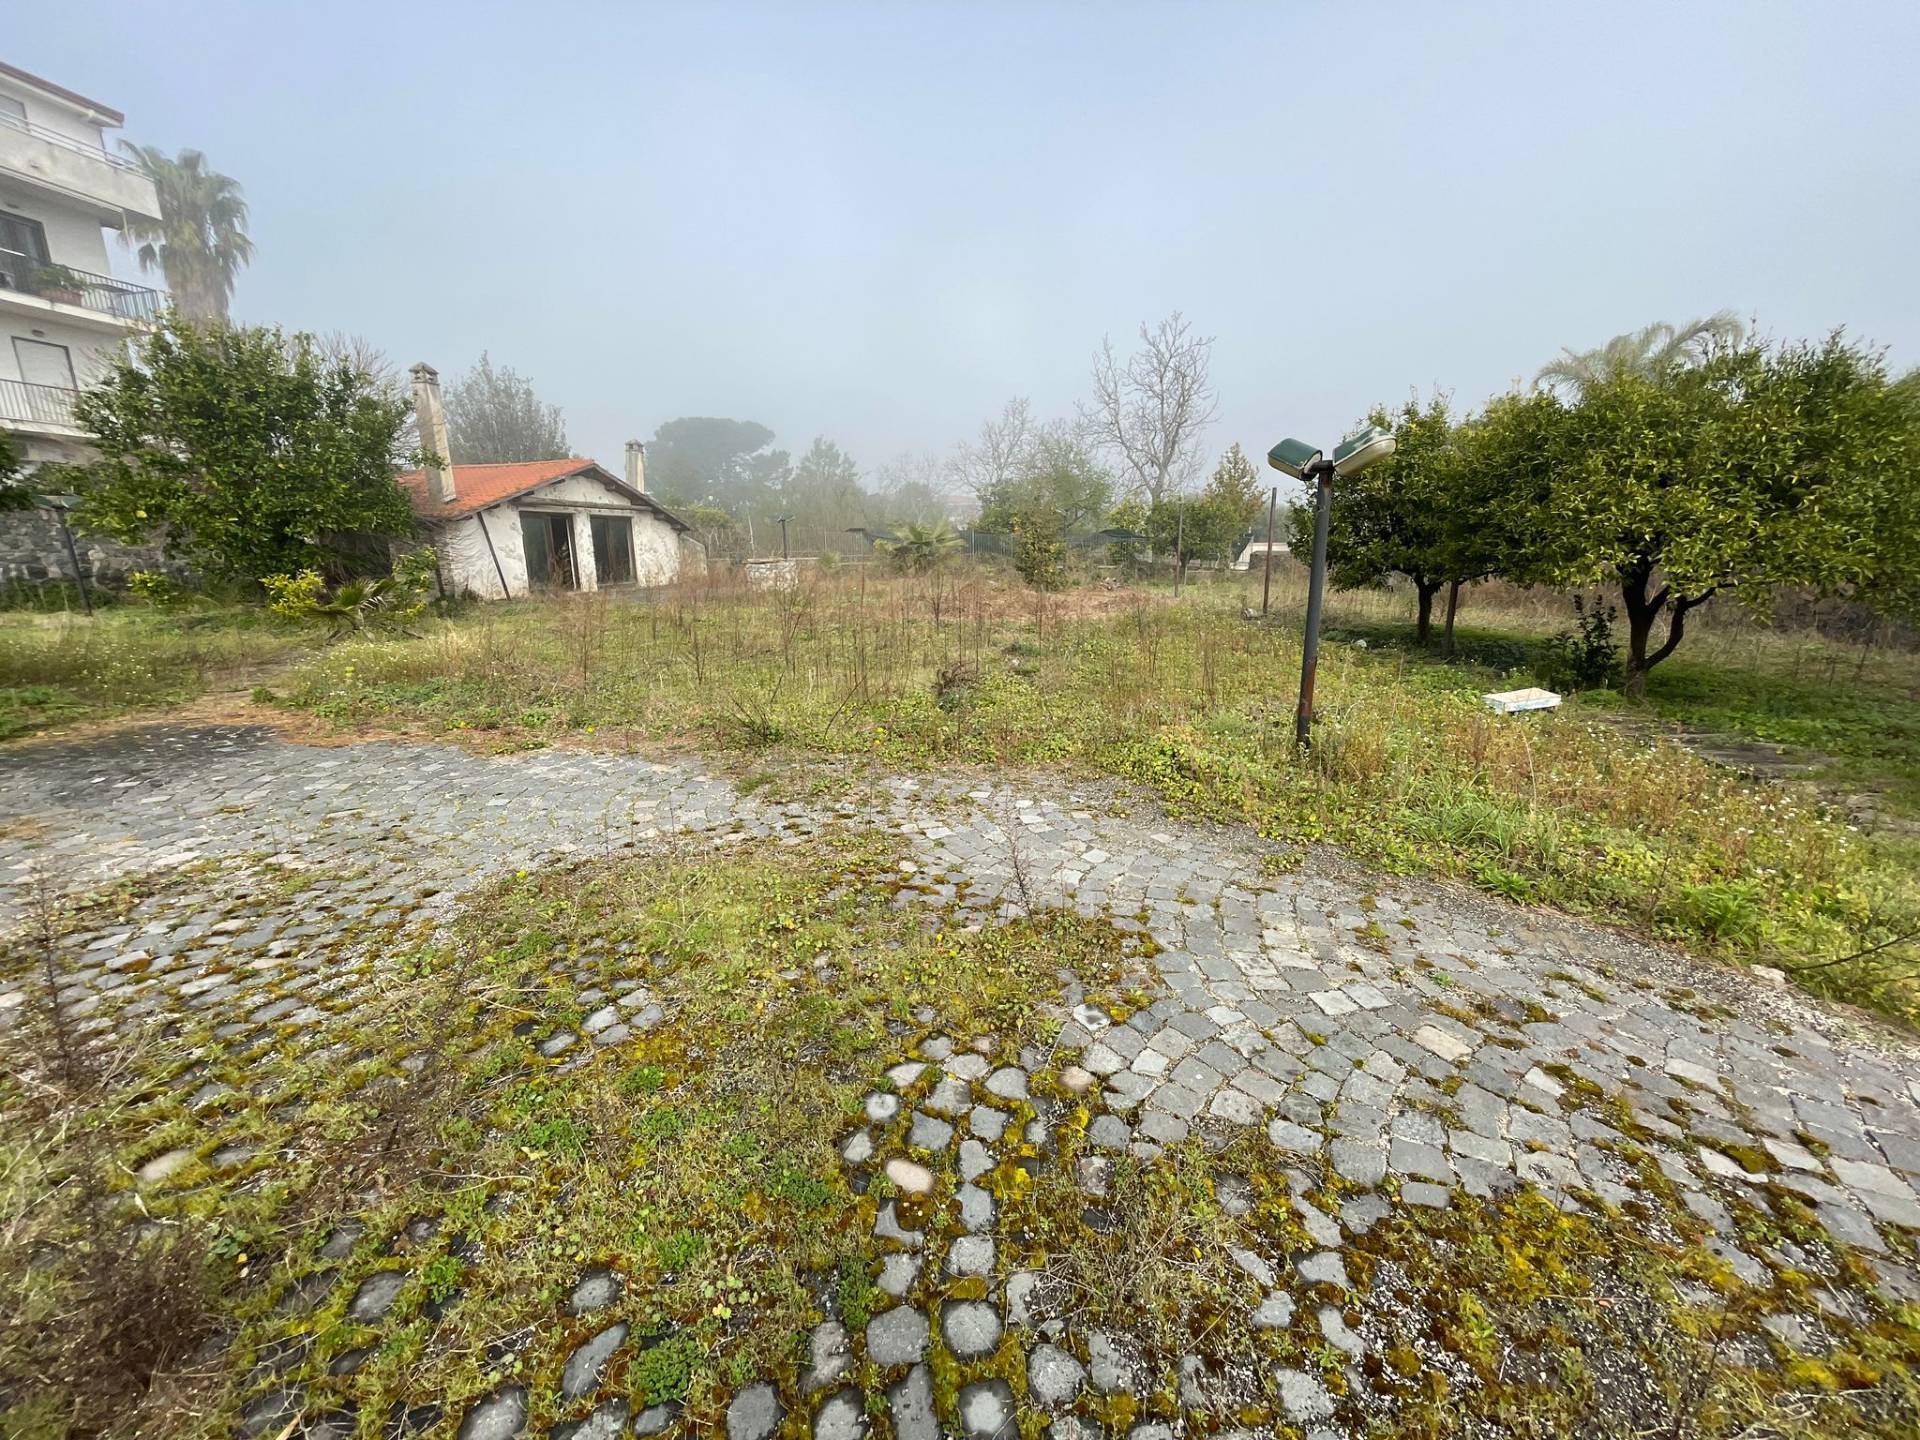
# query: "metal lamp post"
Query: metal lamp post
{"points": [[1304, 462], [60, 505]]}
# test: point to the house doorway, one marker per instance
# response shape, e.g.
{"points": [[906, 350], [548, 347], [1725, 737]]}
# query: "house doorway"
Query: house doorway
{"points": [[547, 540], [613, 549]]}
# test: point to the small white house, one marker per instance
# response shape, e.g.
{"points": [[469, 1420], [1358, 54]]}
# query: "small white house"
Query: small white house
{"points": [[511, 530]]}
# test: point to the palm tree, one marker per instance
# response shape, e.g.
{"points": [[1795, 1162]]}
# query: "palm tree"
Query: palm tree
{"points": [[921, 548], [1652, 351], [200, 241]]}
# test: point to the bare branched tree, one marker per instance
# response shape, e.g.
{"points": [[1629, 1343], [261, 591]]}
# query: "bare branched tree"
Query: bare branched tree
{"points": [[365, 358], [1151, 409], [1000, 451], [914, 486]]}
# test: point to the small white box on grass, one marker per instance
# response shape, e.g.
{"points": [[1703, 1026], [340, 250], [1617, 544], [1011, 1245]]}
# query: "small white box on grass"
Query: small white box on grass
{"points": [[1509, 702]]}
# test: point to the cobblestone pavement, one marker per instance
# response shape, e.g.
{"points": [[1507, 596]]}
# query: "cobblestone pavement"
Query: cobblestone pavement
{"points": [[1421, 1042]]}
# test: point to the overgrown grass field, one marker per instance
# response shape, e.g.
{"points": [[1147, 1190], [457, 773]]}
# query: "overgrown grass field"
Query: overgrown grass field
{"points": [[60, 667], [1408, 770]]}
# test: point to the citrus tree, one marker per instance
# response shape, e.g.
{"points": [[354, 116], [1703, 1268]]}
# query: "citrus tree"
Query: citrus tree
{"points": [[245, 450], [1761, 466]]}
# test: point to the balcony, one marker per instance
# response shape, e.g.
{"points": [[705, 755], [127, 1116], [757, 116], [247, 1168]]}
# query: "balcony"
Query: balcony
{"points": [[105, 186], [64, 285], [47, 409]]}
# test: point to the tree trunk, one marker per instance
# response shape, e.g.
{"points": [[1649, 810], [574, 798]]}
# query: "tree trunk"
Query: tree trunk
{"points": [[1423, 625], [1642, 610], [1453, 608]]}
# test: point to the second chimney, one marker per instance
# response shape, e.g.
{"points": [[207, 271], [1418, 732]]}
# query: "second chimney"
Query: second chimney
{"points": [[431, 416], [637, 466]]}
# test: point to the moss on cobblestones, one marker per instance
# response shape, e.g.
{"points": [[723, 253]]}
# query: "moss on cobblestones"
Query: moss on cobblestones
{"points": [[620, 1131], [697, 1157]]}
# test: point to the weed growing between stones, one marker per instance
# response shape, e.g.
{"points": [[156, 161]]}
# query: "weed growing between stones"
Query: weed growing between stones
{"points": [[102, 1314], [601, 1108], [1510, 1317], [625, 1143]]}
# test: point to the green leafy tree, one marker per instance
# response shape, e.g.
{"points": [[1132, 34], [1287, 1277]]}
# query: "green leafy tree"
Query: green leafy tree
{"points": [[1129, 514], [717, 531], [244, 449], [200, 241], [1432, 511], [1216, 519], [494, 417], [824, 499], [1056, 480], [1762, 466], [1039, 554], [15, 493], [710, 460]]}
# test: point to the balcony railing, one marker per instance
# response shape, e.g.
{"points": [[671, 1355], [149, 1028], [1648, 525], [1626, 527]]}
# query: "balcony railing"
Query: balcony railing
{"points": [[31, 276], [23, 403], [68, 142]]}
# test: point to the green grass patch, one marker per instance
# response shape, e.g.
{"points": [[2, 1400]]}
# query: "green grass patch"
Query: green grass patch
{"points": [[59, 668]]}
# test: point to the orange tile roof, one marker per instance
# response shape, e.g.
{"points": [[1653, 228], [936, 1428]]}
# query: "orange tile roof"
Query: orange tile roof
{"points": [[477, 486]]}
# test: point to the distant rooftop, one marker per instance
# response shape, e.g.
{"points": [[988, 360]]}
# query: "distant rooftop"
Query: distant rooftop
{"points": [[72, 97]]}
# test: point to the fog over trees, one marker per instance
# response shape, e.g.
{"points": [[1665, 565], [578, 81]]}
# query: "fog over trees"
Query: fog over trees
{"points": [[1139, 436]]}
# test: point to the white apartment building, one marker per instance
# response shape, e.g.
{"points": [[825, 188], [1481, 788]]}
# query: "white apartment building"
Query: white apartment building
{"points": [[63, 316]]}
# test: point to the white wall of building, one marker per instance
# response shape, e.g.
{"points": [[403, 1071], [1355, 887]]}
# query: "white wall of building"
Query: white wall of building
{"points": [[466, 564], [73, 237], [90, 353], [62, 176], [53, 114]]}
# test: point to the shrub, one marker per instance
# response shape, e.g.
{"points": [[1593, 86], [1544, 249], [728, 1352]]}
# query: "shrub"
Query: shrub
{"points": [[1041, 559], [357, 605], [156, 588], [1586, 657]]}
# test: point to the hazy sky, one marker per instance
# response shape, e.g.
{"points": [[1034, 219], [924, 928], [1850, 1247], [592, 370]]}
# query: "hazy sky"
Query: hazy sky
{"points": [[878, 221]]}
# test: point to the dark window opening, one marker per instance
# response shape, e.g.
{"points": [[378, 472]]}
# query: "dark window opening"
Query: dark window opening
{"points": [[548, 542], [23, 251], [613, 549]]}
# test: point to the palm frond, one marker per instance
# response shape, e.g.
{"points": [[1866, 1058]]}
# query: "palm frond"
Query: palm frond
{"points": [[1649, 351]]}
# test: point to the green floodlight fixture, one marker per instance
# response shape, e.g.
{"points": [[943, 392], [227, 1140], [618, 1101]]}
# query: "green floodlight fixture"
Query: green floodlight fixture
{"points": [[1357, 452], [1303, 462], [1293, 457]]}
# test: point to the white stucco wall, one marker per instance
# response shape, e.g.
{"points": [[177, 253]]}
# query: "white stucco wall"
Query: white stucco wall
{"points": [[91, 352], [466, 564], [60, 116], [73, 236], [70, 158]]}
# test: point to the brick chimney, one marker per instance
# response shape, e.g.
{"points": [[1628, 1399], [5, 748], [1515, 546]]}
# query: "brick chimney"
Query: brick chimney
{"points": [[637, 466], [431, 416]]}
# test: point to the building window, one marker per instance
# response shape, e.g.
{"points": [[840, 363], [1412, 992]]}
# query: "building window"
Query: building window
{"points": [[43, 364], [547, 542], [613, 549], [23, 250], [13, 112]]}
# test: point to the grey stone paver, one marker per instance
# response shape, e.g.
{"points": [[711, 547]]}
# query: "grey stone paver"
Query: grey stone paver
{"points": [[1270, 1015]]}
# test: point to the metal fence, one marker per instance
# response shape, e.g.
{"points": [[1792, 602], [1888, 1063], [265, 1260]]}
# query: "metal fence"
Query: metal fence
{"points": [[68, 142], [31, 275], [28, 404]]}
